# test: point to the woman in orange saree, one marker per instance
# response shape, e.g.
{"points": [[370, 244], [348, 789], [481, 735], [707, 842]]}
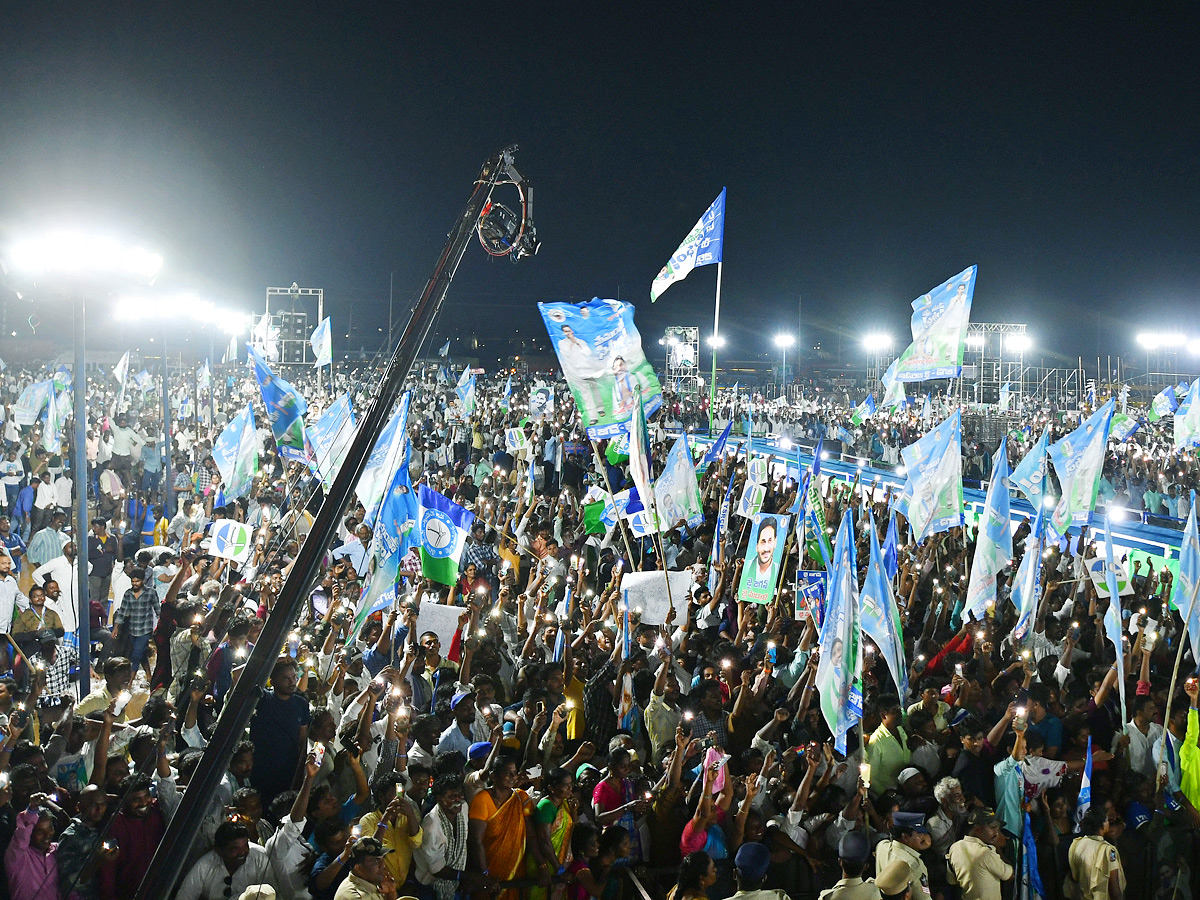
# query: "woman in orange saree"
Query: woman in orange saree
{"points": [[499, 832]]}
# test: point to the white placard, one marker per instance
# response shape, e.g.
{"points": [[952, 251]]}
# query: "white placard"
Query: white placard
{"points": [[648, 590]]}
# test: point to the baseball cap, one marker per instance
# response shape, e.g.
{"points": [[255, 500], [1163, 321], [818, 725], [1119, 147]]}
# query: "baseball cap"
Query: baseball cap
{"points": [[894, 878], [912, 821], [752, 860], [981, 816], [460, 697], [1137, 815], [585, 769], [905, 774], [854, 847], [479, 750], [367, 846], [46, 636]]}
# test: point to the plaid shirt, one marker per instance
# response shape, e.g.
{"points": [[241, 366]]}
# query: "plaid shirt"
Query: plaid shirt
{"points": [[137, 611], [58, 673], [483, 555]]}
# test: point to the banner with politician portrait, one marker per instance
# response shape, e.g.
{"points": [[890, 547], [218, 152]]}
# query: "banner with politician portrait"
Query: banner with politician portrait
{"points": [[601, 355], [764, 555], [939, 331]]}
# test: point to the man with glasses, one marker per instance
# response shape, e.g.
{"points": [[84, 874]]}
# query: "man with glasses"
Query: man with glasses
{"points": [[232, 865]]}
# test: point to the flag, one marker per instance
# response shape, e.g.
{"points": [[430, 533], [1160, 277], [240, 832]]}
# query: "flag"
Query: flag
{"points": [[394, 536], [939, 331], [1079, 461], [321, 342], [203, 377], [676, 491], [891, 550], [1163, 404], [1187, 585], [506, 397], [56, 412], [516, 441], [285, 407], [231, 351], [715, 449], [1112, 616], [881, 615], [701, 247], [62, 376], [844, 436], [443, 532], [1084, 803], [1181, 390], [926, 410], [231, 540], [389, 453], [839, 671], [1024, 594], [1187, 419], [863, 411], [719, 538], [893, 388], [993, 546], [934, 491], [1091, 393], [752, 499], [1031, 878], [122, 368], [1124, 395], [465, 391], [1123, 427], [1029, 477], [639, 451], [593, 522], [446, 349], [236, 454], [1005, 396], [329, 439], [3, 365], [600, 351]]}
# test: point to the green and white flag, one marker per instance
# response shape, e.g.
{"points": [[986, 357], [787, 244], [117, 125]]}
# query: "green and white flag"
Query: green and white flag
{"points": [[863, 411], [443, 530], [1187, 419], [1079, 461], [230, 540]]}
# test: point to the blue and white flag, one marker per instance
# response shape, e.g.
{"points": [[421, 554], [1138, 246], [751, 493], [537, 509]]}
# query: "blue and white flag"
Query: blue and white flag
{"points": [[1187, 419], [236, 454], [934, 488], [1025, 593], [329, 439], [881, 615], [1163, 404], [1181, 389], [639, 451], [939, 331], [1123, 427], [893, 388], [701, 247], [715, 449], [231, 540], [839, 670], [1031, 877], [722, 526], [1112, 615], [231, 351], [446, 349], [444, 526], [891, 548], [57, 407], [1187, 584], [1079, 462], [1091, 393], [121, 370], [322, 344], [863, 411], [1005, 396], [203, 377], [1029, 477], [1084, 803], [465, 391], [285, 407], [993, 546], [676, 491], [389, 453], [394, 535], [926, 410], [506, 397], [844, 436]]}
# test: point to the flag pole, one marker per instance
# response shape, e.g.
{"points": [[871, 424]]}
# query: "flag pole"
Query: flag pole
{"points": [[1183, 635], [712, 384]]}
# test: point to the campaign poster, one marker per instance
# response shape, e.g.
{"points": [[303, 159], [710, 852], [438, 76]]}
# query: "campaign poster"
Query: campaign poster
{"points": [[764, 556], [601, 355], [811, 587]]}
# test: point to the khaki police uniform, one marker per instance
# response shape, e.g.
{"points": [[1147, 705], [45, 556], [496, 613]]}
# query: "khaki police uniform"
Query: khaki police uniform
{"points": [[918, 881], [852, 889], [977, 868], [1091, 860]]}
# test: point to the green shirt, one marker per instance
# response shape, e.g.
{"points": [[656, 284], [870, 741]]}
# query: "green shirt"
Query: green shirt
{"points": [[888, 754]]}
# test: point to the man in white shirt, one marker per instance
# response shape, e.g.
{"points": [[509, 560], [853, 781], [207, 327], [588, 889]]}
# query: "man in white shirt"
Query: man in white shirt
{"points": [[1141, 737], [233, 856], [126, 444], [44, 503], [11, 601]]}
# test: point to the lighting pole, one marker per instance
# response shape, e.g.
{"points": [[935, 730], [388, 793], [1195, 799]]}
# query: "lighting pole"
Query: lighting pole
{"points": [[75, 265], [783, 341]]}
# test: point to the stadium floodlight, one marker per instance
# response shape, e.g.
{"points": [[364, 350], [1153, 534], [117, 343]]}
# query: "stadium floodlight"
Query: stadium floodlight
{"points": [[716, 341], [1152, 340], [181, 306], [976, 341], [1193, 346], [1018, 343], [79, 255], [876, 341], [783, 341]]}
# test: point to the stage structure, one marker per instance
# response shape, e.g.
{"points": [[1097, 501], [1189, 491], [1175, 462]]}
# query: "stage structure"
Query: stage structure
{"points": [[995, 356], [683, 359], [284, 336]]}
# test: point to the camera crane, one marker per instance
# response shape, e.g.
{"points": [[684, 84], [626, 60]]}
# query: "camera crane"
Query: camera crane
{"points": [[501, 232]]}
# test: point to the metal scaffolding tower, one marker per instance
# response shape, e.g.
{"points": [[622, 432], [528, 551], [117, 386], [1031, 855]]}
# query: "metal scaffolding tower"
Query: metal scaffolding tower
{"points": [[683, 359], [995, 355]]}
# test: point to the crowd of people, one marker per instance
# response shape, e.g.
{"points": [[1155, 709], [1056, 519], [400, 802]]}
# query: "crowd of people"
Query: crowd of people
{"points": [[548, 749]]}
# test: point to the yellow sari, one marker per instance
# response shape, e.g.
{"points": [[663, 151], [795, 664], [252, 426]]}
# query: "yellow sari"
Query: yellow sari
{"points": [[504, 838]]}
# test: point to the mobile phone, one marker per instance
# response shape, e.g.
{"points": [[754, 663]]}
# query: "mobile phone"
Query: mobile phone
{"points": [[123, 699], [319, 753]]}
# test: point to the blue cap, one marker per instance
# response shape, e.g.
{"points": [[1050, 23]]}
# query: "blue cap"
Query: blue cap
{"points": [[912, 821], [1137, 815], [752, 860], [479, 750], [854, 847], [460, 697]]}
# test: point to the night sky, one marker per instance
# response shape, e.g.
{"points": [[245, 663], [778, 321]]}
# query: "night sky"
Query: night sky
{"points": [[870, 151]]}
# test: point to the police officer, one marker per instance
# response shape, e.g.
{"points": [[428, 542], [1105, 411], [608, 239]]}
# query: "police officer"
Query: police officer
{"points": [[1095, 865], [973, 863], [894, 881], [854, 849], [910, 838]]}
